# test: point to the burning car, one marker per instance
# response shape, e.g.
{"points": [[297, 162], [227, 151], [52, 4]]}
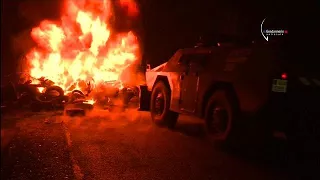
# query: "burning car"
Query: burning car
{"points": [[109, 95], [83, 46]]}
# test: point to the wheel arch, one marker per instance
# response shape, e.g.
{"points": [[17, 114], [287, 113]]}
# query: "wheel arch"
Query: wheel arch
{"points": [[228, 87], [164, 79]]}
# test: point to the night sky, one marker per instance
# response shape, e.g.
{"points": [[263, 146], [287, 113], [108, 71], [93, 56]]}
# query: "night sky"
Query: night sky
{"points": [[166, 25]]}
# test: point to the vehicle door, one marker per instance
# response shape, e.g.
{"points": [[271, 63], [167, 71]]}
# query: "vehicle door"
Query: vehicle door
{"points": [[189, 80]]}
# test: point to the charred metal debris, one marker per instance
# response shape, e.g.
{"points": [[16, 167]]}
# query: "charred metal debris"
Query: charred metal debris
{"points": [[45, 95]]}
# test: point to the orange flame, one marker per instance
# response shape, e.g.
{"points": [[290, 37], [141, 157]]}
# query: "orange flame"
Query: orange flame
{"points": [[82, 46], [41, 89], [91, 101], [131, 7]]}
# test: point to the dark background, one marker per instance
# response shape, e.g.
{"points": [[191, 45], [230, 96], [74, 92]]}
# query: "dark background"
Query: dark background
{"points": [[166, 25]]}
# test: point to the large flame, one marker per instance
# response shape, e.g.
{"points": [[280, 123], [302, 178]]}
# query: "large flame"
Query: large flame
{"points": [[82, 46]]}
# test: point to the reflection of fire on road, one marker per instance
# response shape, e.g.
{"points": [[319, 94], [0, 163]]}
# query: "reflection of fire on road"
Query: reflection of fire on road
{"points": [[83, 47], [102, 119]]}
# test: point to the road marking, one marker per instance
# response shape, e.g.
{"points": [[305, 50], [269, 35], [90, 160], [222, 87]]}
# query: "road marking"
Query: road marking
{"points": [[316, 81], [76, 168], [304, 81]]}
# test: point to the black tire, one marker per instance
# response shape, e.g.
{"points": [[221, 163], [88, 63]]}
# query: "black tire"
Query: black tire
{"points": [[220, 104], [54, 88], [77, 92], [162, 115]]}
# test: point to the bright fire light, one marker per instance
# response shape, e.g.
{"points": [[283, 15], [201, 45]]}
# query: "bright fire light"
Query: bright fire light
{"points": [[41, 89], [83, 46], [92, 101]]}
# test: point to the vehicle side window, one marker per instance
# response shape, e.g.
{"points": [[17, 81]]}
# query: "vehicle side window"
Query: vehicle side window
{"points": [[200, 59], [185, 59]]}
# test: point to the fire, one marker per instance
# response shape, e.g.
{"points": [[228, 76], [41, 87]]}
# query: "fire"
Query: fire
{"points": [[132, 7], [82, 46], [41, 89], [91, 101]]}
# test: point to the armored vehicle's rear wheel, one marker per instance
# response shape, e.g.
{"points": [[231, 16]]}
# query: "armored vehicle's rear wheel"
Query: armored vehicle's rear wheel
{"points": [[219, 116], [159, 108]]}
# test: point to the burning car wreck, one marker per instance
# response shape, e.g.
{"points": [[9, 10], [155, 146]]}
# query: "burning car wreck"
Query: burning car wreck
{"points": [[109, 96], [78, 60], [43, 94]]}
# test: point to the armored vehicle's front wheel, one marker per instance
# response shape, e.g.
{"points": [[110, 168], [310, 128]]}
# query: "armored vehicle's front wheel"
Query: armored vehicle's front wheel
{"points": [[219, 116], [159, 107]]}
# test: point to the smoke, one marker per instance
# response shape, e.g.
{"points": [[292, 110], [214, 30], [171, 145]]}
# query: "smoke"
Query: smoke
{"points": [[103, 118]]}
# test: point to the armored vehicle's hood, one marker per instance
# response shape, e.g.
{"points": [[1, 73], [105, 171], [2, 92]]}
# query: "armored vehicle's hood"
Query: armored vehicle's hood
{"points": [[158, 68]]}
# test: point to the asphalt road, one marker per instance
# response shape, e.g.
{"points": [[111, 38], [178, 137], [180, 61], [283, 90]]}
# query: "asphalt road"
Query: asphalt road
{"points": [[124, 146]]}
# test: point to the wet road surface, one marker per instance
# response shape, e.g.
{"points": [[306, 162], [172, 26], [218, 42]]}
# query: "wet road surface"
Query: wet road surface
{"points": [[121, 146]]}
